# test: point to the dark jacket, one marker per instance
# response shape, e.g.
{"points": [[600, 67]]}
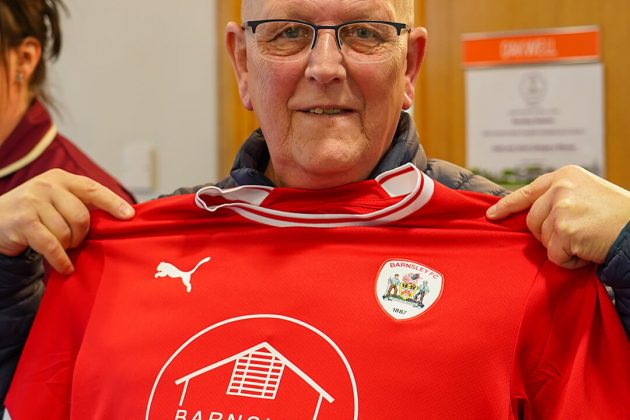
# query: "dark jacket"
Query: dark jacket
{"points": [[253, 157], [20, 279]]}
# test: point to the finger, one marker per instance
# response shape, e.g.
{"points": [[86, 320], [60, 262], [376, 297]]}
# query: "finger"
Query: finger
{"points": [[575, 263], [521, 199], [559, 253], [56, 224], [98, 196], [76, 216], [45, 243], [540, 221]]}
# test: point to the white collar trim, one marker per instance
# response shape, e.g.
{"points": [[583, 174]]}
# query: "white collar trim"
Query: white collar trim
{"points": [[406, 181], [33, 154]]}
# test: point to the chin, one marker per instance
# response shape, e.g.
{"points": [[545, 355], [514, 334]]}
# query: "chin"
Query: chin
{"points": [[333, 172], [331, 161]]}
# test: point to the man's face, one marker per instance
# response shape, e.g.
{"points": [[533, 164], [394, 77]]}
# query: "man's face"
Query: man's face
{"points": [[327, 120]]}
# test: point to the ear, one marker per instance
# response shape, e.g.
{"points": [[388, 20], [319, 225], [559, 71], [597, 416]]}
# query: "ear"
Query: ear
{"points": [[415, 55], [28, 54], [235, 43]]}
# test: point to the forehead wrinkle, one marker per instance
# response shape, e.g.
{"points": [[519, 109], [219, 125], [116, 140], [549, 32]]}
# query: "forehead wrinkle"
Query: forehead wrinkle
{"points": [[310, 10], [366, 9]]}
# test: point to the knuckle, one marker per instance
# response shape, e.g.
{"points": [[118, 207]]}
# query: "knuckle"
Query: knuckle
{"points": [[36, 189], [51, 249], [564, 229], [54, 172], [25, 201], [527, 191], [564, 203], [577, 249], [557, 255], [91, 186], [574, 169], [25, 221], [531, 220], [568, 170], [12, 244], [65, 236], [569, 177], [551, 256], [82, 220], [567, 184]]}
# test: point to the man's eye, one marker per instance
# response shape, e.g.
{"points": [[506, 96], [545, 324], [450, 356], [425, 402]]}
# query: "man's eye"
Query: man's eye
{"points": [[292, 32], [364, 33]]}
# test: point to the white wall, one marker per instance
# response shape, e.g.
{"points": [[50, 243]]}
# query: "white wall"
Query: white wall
{"points": [[141, 73]]}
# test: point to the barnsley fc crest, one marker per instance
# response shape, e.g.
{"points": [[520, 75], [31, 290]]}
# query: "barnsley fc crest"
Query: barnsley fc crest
{"points": [[406, 289]]}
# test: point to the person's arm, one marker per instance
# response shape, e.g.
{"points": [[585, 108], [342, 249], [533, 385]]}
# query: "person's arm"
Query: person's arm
{"points": [[580, 218], [615, 272], [42, 217], [21, 289]]}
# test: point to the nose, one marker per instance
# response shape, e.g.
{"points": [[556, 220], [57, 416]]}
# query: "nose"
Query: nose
{"points": [[325, 62]]}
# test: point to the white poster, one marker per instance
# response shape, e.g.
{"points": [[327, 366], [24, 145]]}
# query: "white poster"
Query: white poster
{"points": [[523, 121]]}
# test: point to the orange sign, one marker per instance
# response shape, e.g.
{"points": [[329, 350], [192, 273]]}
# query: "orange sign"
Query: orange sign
{"points": [[545, 46]]}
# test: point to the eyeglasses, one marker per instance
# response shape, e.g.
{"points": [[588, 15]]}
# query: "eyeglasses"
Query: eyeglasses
{"points": [[365, 41]]}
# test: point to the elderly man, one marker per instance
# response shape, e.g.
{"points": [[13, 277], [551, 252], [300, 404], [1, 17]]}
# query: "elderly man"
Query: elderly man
{"points": [[327, 80]]}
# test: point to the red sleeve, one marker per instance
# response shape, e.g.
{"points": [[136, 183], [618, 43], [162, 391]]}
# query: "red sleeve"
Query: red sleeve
{"points": [[41, 387], [573, 358]]}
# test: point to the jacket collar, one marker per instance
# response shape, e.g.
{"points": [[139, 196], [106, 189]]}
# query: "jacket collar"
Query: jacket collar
{"points": [[28, 140]]}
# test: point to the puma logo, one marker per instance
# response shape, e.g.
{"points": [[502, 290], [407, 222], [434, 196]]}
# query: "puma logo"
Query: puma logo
{"points": [[165, 269]]}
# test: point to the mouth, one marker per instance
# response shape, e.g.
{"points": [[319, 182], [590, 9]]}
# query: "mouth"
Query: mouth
{"points": [[327, 111]]}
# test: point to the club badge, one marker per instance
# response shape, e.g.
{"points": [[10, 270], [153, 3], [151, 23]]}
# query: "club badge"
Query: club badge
{"points": [[406, 289]]}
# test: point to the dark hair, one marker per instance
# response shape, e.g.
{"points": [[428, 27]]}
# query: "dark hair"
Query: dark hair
{"points": [[39, 19]]}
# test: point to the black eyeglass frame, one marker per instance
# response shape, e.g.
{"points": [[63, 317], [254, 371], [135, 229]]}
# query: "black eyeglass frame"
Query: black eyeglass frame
{"points": [[397, 25]]}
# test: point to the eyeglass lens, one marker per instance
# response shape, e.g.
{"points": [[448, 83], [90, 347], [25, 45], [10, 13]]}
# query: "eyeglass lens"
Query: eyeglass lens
{"points": [[362, 42]]}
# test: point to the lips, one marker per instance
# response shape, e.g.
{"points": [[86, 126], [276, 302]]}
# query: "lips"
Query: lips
{"points": [[327, 111]]}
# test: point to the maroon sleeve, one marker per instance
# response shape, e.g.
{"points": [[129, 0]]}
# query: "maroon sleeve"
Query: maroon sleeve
{"points": [[65, 155]]}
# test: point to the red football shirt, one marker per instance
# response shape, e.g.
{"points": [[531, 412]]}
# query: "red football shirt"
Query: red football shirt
{"points": [[392, 298]]}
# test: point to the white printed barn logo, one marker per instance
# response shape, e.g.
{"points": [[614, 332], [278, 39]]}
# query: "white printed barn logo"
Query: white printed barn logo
{"points": [[166, 269], [255, 367], [406, 289]]}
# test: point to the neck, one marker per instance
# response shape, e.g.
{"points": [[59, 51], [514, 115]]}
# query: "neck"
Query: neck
{"points": [[13, 114], [312, 181]]}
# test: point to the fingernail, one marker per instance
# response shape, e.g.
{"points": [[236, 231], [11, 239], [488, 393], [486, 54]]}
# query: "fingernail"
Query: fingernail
{"points": [[126, 210], [66, 270], [491, 211]]}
